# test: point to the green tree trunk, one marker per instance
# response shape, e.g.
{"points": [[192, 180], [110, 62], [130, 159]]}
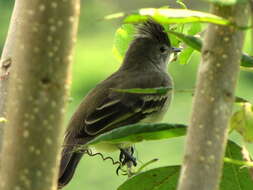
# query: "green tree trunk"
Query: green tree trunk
{"points": [[213, 101], [37, 93]]}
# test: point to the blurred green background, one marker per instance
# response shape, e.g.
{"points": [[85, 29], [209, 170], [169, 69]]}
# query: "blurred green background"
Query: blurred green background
{"points": [[94, 61]]}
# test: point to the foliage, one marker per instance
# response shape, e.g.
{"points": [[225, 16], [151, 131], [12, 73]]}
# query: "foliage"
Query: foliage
{"points": [[187, 35], [139, 132], [196, 43], [174, 21], [162, 178], [123, 37], [234, 177], [170, 16], [242, 121]]}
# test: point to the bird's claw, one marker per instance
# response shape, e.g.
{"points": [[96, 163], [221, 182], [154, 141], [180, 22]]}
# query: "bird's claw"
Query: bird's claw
{"points": [[126, 156]]}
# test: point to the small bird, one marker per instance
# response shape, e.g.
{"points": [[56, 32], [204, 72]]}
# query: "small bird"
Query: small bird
{"points": [[104, 109]]}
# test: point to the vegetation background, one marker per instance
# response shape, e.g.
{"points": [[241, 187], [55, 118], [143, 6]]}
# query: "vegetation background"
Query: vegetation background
{"points": [[94, 61]]}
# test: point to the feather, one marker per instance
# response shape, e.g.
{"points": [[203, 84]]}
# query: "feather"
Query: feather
{"points": [[153, 30], [113, 115]]}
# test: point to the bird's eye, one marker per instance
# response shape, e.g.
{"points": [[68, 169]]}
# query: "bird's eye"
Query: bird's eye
{"points": [[163, 49]]}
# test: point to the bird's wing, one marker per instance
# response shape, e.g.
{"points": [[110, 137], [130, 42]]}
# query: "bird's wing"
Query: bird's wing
{"points": [[122, 110]]}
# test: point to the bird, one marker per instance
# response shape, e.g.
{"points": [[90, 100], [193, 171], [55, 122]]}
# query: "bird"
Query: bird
{"points": [[145, 65]]}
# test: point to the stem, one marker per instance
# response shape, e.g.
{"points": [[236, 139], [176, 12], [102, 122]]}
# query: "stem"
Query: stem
{"points": [[238, 162], [146, 164]]}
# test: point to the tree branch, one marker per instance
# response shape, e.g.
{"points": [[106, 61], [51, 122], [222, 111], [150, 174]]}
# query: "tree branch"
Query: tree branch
{"points": [[37, 93], [212, 106]]}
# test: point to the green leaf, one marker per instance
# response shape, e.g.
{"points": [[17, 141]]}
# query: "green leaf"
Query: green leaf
{"points": [[123, 36], [139, 132], [192, 41], [242, 121], [177, 28], [240, 100], [161, 90], [196, 43], [166, 178], [234, 176], [194, 29], [246, 60], [227, 2], [170, 16], [163, 178], [185, 55]]}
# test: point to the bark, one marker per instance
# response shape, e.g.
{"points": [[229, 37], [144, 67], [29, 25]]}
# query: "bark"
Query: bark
{"points": [[213, 101], [37, 93], [5, 64]]}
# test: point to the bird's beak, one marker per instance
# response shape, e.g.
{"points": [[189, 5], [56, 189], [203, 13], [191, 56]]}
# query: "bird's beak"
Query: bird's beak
{"points": [[176, 50]]}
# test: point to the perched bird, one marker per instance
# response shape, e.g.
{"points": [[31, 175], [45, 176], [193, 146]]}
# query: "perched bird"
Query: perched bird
{"points": [[103, 109]]}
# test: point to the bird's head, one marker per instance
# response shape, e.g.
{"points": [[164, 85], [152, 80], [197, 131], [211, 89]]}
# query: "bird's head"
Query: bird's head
{"points": [[150, 46]]}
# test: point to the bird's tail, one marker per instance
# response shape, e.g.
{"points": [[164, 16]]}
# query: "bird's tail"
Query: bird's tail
{"points": [[69, 162]]}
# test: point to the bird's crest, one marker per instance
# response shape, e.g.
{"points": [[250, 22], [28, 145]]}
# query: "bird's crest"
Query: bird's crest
{"points": [[152, 30]]}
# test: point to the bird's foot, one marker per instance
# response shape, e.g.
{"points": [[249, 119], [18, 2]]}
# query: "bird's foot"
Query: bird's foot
{"points": [[126, 155], [126, 158]]}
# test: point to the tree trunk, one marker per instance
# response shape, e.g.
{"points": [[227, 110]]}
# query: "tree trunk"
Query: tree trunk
{"points": [[5, 64], [212, 105], [37, 93]]}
